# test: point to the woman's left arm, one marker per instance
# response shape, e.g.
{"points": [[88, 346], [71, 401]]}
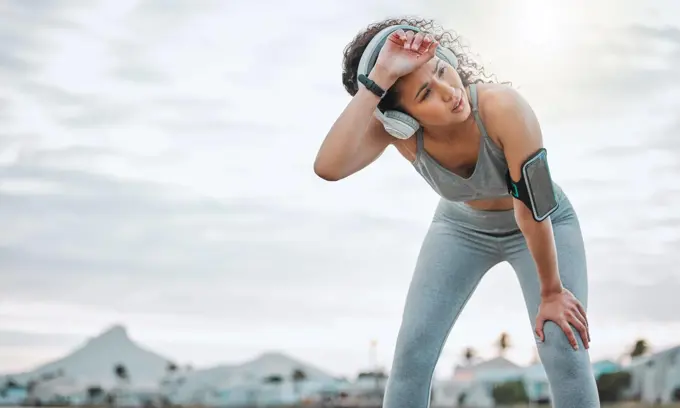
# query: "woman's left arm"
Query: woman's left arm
{"points": [[515, 125]]}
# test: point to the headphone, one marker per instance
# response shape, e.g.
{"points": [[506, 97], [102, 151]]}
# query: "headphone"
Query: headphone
{"points": [[397, 124]]}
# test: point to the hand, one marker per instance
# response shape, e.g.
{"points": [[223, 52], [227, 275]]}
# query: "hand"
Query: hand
{"points": [[563, 309], [404, 52]]}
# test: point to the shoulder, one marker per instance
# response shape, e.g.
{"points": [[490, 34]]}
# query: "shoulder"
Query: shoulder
{"points": [[505, 112]]}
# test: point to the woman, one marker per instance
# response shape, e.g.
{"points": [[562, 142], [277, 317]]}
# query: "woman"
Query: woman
{"points": [[463, 138]]}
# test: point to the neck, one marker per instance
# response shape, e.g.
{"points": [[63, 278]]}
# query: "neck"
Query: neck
{"points": [[450, 132]]}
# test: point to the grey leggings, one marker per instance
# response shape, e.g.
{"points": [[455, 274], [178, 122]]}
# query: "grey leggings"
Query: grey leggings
{"points": [[461, 245]]}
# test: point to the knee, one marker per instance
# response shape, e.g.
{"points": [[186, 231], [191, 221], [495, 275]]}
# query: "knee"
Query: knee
{"points": [[557, 352]]}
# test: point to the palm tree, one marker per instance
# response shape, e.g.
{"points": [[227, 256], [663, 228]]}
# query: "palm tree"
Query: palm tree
{"points": [[298, 376], [123, 377], [469, 354], [169, 382], [640, 348], [503, 343], [121, 372]]}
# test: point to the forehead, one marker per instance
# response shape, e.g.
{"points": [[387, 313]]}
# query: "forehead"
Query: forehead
{"points": [[422, 74]]}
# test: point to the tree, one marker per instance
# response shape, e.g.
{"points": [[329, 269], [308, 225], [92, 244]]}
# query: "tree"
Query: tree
{"points": [[503, 343], [169, 383], [121, 372], [123, 377], [94, 393], [298, 376], [273, 379], [510, 393], [640, 348], [469, 354], [610, 386]]}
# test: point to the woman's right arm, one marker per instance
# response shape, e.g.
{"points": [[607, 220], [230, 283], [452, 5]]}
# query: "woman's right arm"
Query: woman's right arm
{"points": [[356, 138]]}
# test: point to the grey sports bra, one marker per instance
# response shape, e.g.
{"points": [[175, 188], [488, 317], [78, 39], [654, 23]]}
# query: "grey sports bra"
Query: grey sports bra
{"points": [[486, 181]]}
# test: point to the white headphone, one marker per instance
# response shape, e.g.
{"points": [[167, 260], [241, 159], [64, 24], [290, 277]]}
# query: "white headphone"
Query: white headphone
{"points": [[397, 124]]}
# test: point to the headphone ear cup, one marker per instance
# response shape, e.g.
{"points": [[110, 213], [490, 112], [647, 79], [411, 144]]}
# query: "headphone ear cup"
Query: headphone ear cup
{"points": [[447, 55], [399, 124]]}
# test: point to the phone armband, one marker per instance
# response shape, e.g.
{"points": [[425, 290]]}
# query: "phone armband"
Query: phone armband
{"points": [[535, 187]]}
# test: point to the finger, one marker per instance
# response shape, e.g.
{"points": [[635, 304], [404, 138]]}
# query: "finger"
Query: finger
{"points": [[539, 328], [417, 41], [409, 40], [582, 329], [576, 313], [582, 312], [428, 40], [398, 37], [570, 334]]}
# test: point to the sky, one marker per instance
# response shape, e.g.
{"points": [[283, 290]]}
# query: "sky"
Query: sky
{"points": [[156, 172]]}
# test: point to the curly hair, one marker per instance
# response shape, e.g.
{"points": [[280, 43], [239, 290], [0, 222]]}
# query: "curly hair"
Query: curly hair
{"points": [[470, 71]]}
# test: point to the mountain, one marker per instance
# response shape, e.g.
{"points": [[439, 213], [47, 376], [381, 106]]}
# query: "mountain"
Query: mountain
{"points": [[250, 372], [93, 363]]}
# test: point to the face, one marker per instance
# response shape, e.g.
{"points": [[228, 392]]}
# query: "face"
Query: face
{"points": [[434, 94]]}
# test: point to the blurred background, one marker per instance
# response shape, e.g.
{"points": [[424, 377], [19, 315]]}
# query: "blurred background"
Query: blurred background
{"points": [[164, 235]]}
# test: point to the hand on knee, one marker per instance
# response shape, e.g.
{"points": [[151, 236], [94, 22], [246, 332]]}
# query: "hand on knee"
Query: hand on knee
{"points": [[555, 337], [567, 312]]}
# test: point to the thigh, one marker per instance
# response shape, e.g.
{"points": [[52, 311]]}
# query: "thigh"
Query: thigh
{"points": [[451, 262], [569, 372]]}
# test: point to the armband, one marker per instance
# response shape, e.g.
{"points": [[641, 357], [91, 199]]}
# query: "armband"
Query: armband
{"points": [[535, 187]]}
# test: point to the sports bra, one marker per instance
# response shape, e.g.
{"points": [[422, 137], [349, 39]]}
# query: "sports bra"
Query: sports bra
{"points": [[488, 178]]}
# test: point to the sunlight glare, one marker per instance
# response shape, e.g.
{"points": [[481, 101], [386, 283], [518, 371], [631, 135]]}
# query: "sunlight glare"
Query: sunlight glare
{"points": [[539, 23]]}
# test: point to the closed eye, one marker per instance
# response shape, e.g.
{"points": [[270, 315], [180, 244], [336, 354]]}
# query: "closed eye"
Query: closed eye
{"points": [[427, 92]]}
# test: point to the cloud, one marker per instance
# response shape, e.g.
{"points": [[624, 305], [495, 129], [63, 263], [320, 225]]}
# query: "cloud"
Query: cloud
{"points": [[156, 169]]}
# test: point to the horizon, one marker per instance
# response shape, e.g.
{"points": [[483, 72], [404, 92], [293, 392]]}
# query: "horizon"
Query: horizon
{"points": [[117, 329], [156, 172]]}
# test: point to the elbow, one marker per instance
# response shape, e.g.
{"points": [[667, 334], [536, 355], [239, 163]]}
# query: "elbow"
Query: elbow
{"points": [[325, 173]]}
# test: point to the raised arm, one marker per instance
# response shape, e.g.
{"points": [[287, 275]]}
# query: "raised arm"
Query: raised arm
{"points": [[356, 138]]}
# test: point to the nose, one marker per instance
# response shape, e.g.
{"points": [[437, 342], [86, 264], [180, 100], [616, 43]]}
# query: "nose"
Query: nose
{"points": [[445, 90]]}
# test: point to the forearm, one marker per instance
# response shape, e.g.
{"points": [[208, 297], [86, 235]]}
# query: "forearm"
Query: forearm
{"points": [[541, 244], [345, 145]]}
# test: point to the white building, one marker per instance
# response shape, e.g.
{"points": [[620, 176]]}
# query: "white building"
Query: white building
{"points": [[655, 378]]}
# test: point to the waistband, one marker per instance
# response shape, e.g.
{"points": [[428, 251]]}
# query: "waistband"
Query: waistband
{"points": [[490, 221]]}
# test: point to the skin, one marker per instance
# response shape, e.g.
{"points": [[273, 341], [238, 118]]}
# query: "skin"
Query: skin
{"points": [[452, 138], [429, 93]]}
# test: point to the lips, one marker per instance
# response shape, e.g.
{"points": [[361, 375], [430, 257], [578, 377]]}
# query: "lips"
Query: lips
{"points": [[458, 106]]}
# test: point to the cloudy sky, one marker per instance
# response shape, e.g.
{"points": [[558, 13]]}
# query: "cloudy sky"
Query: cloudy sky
{"points": [[156, 171]]}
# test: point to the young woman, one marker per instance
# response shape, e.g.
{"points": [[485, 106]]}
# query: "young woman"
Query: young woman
{"points": [[470, 139]]}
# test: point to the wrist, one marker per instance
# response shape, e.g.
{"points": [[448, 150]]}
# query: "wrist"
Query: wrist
{"points": [[382, 77], [549, 289]]}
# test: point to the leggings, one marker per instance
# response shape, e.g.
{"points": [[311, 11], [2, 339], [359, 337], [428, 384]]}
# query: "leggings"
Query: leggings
{"points": [[461, 245]]}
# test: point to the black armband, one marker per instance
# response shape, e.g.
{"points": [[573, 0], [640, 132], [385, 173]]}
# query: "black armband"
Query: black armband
{"points": [[535, 187]]}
